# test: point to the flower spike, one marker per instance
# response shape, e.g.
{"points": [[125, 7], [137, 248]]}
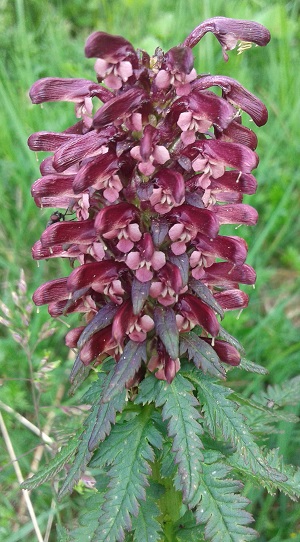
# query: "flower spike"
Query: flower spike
{"points": [[144, 184]]}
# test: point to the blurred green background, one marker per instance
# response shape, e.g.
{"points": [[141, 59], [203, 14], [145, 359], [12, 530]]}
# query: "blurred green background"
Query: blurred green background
{"points": [[40, 39]]}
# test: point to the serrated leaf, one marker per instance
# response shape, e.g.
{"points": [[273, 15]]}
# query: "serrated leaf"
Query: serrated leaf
{"points": [[101, 319], [204, 293], [91, 395], [270, 414], [148, 390], [128, 450], [62, 534], [221, 413], [146, 527], [54, 466], [125, 369], [166, 329], [187, 530], [222, 508], [106, 416], [252, 367], [202, 354], [88, 519], [97, 426], [168, 468], [290, 485], [78, 374], [286, 393], [180, 409]]}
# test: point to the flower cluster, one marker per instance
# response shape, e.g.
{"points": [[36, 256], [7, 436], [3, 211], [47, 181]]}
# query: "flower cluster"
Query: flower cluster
{"points": [[147, 180]]}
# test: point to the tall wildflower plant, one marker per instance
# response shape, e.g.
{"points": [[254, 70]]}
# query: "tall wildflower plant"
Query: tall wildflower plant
{"points": [[155, 165]]}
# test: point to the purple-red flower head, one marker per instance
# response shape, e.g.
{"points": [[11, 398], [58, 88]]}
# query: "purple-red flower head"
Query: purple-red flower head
{"points": [[154, 165]]}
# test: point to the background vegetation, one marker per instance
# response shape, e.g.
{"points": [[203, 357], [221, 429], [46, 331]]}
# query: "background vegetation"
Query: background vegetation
{"points": [[46, 39]]}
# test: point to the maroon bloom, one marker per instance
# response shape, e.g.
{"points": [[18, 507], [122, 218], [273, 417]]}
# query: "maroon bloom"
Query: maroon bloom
{"points": [[141, 185]]}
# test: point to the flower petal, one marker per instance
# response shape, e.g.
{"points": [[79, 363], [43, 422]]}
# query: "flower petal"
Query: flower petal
{"points": [[92, 173], [236, 94], [199, 313], [82, 232], [240, 213], [108, 46], [232, 299], [54, 289], [95, 275], [120, 107], [228, 32], [52, 89]]}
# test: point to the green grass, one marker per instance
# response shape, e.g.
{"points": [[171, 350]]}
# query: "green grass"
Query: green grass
{"points": [[46, 39]]}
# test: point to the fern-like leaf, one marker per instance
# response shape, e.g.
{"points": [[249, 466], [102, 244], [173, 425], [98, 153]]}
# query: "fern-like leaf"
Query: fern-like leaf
{"points": [[290, 485], [267, 413], [180, 409], [222, 508], [202, 354], [148, 390], [125, 369], [97, 427], [54, 466], [88, 519], [251, 367], [78, 374], [145, 525], [128, 450], [221, 413], [187, 530], [287, 393]]}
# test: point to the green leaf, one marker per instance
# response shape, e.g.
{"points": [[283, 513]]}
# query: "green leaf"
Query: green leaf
{"points": [[62, 534], [168, 468], [221, 413], [166, 329], [180, 409], [269, 414], [146, 527], [125, 369], [91, 395], [97, 427], [54, 466], [204, 293], [78, 374], [286, 393], [128, 450], [290, 485], [106, 416], [88, 519], [252, 367], [202, 354], [101, 319], [148, 390], [187, 530], [222, 508]]}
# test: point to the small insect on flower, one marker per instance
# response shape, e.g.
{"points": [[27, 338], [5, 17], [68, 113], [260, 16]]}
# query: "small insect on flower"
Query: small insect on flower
{"points": [[57, 216]]}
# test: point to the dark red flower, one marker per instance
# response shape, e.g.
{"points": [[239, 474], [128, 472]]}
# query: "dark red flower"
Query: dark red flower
{"points": [[143, 186]]}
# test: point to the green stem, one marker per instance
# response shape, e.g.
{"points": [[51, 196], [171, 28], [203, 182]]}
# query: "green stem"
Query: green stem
{"points": [[169, 503]]}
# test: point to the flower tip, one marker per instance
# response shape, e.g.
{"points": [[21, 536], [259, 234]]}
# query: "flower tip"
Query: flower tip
{"points": [[107, 46]]}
